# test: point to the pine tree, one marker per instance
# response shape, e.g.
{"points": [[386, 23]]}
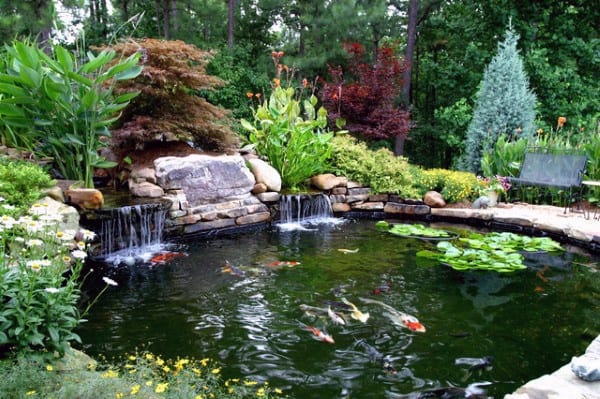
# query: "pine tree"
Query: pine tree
{"points": [[505, 104]]}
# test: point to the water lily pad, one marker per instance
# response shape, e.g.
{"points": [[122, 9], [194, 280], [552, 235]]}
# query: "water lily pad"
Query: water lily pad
{"points": [[415, 231]]}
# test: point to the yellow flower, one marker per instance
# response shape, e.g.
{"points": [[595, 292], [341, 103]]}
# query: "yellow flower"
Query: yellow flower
{"points": [[166, 369], [260, 392], [49, 367], [149, 356], [30, 393], [159, 361], [249, 383], [135, 389], [132, 358], [149, 383], [216, 371], [110, 374], [119, 395], [204, 362], [199, 397], [160, 388], [278, 391], [230, 390]]}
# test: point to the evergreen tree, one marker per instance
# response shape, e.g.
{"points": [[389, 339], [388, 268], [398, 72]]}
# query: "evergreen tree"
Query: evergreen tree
{"points": [[505, 104]]}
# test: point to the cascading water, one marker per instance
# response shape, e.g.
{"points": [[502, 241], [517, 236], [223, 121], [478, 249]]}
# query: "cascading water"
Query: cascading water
{"points": [[129, 233], [298, 210]]}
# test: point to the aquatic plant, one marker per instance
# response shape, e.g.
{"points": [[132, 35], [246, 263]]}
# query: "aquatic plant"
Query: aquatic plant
{"points": [[412, 230], [492, 251]]}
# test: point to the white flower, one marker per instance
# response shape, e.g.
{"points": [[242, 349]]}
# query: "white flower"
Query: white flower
{"points": [[79, 254], [8, 221], [81, 245], [1, 199], [52, 290], [35, 265], [38, 209], [33, 226], [8, 207], [35, 242], [87, 235], [110, 281]]}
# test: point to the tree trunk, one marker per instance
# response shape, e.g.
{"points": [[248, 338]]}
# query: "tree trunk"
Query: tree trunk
{"points": [[375, 45], [157, 8], [167, 19], [174, 18], [230, 23], [413, 8]]}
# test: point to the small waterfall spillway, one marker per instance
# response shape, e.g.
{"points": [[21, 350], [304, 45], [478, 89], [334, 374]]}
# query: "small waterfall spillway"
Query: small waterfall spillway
{"points": [[298, 210], [128, 233]]}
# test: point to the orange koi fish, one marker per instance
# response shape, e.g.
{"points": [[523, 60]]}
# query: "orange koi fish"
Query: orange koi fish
{"points": [[399, 318], [279, 263], [164, 257], [318, 334], [234, 271]]}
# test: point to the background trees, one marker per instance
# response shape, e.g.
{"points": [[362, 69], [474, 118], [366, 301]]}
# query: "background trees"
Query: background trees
{"points": [[454, 42]]}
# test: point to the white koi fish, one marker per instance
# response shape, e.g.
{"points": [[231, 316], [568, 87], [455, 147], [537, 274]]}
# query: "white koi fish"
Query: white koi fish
{"points": [[355, 313]]}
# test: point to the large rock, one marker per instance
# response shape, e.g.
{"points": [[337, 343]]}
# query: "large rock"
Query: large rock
{"points": [[205, 178], [84, 198], [265, 173], [326, 181], [434, 199]]}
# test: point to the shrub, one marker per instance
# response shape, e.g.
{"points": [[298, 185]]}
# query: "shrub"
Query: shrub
{"points": [[380, 170], [454, 186], [21, 182], [505, 104]]}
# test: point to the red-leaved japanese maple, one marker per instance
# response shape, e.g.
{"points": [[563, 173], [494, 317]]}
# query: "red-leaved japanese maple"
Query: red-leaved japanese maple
{"points": [[366, 95]]}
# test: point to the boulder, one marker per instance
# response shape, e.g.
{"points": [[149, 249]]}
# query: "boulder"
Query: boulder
{"points": [[265, 173], [434, 199], [145, 189], [205, 178], [67, 216], [84, 198], [260, 188], [326, 181]]}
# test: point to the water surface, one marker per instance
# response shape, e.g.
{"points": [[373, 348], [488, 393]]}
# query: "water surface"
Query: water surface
{"points": [[531, 321]]}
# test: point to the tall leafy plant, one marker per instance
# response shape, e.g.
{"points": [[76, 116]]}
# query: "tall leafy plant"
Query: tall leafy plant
{"points": [[64, 106], [289, 130], [292, 134]]}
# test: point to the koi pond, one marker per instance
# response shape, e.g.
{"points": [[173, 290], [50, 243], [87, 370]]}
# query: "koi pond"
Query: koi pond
{"points": [[245, 301]]}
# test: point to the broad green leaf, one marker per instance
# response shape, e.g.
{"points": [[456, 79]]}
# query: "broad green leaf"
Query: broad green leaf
{"points": [[30, 77], [65, 59], [13, 90], [10, 110], [97, 62]]}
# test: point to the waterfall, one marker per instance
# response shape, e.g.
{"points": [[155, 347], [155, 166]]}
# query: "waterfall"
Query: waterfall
{"points": [[298, 210], [131, 229]]}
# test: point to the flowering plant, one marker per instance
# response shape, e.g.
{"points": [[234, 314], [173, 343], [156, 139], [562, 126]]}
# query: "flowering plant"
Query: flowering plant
{"points": [[497, 183]]}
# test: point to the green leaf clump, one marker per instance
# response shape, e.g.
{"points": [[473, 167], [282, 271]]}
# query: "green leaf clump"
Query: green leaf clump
{"points": [[381, 170], [21, 182], [494, 251], [412, 230]]}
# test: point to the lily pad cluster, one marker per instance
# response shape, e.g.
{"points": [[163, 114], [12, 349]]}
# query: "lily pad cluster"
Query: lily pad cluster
{"points": [[493, 251], [412, 230]]}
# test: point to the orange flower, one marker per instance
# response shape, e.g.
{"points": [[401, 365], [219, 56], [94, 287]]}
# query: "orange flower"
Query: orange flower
{"points": [[304, 83], [276, 82], [280, 54], [257, 95], [249, 94], [561, 121]]}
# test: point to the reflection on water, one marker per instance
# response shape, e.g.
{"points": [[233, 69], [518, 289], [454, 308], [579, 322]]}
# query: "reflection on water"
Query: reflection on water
{"points": [[531, 321]]}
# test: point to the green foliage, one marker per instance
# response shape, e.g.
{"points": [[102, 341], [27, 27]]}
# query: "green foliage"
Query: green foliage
{"points": [[21, 182], [142, 375], [40, 267], [504, 158], [493, 251], [411, 230], [455, 121], [63, 106], [380, 170], [241, 77], [454, 186], [292, 135], [504, 104]]}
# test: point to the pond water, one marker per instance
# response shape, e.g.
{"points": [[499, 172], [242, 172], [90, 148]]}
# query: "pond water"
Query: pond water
{"points": [[531, 322]]}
